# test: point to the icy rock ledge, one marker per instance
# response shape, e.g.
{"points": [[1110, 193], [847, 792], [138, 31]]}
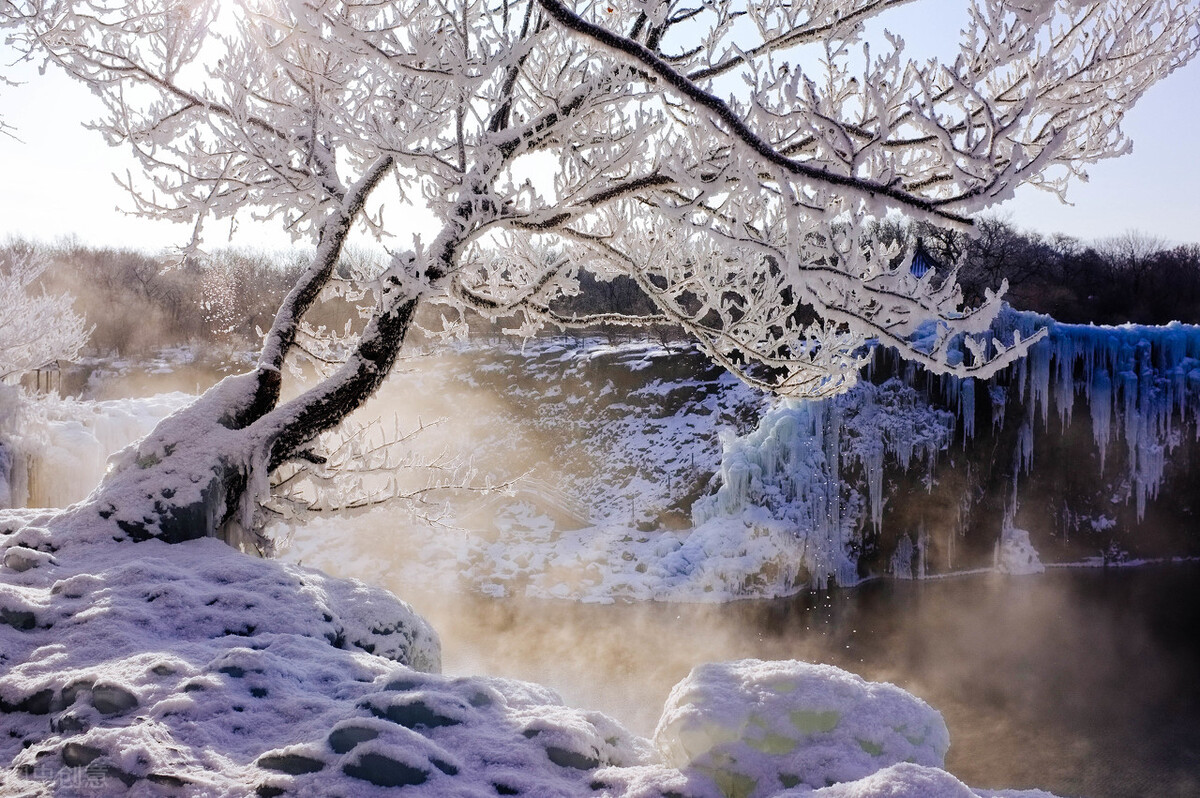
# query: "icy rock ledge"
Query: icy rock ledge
{"points": [[1015, 554]]}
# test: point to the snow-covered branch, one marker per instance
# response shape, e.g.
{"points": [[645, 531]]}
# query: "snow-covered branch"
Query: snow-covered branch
{"points": [[36, 327], [730, 159]]}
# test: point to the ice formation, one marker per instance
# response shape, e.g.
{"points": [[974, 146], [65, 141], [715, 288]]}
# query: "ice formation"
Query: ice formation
{"points": [[612, 456], [796, 494], [58, 448], [1015, 554], [1141, 384], [791, 501], [793, 469]]}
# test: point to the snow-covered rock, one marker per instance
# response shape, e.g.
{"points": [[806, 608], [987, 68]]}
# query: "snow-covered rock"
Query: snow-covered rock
{"points": [[754, 728], [1015, 554]]}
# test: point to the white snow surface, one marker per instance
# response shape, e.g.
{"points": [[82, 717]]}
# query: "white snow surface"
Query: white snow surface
{"points": [[192, 669], [1015, 554], [60, 447], [756, 727]]}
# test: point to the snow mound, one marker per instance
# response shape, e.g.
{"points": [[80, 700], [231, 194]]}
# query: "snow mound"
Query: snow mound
{"points": [[177, 665], [1015, 554], [754, 728]]}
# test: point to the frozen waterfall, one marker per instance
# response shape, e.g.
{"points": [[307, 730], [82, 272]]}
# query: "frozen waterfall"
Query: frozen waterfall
{"points": [[805, 462], [55, 450], [818, 467]]}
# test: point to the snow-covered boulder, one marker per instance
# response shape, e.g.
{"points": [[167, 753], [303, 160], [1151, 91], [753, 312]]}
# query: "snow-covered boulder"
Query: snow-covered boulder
{"points": [[754, 728], [1015, 553]]}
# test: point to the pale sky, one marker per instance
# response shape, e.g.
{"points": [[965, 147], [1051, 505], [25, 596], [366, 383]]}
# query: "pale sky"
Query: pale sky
{"points": [[58, 176]]}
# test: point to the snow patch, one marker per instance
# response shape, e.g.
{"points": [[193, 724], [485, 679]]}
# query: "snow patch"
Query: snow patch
{"points": [[754, 728]]}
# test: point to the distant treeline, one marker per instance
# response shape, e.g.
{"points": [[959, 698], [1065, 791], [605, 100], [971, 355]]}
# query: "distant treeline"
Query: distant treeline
{"points": [[1131, 277], [139, 303]]}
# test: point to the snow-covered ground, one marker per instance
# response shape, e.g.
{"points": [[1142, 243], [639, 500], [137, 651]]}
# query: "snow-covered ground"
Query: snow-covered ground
{"points": [[192, 669]]}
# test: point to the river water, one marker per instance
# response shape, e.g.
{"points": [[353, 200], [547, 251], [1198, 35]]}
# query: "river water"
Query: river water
{"points": [[1080, 681]]}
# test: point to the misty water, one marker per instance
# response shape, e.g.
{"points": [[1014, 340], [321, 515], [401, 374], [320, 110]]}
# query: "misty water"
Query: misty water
{"points": [[1080, 680]]}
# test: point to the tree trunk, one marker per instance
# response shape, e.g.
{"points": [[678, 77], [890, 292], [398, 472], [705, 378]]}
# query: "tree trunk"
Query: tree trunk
{"points": [[202, 470]]}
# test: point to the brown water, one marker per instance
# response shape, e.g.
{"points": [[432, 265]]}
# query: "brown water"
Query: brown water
{"points": [[1080, 681]]}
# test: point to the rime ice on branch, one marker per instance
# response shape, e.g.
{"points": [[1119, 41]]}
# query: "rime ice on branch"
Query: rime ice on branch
{"points": [[36, 327], [725, 156]]}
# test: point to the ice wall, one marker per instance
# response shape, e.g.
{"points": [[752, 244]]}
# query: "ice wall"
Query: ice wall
{"points": [[818, 467], [58, 448], [1141, 385]]}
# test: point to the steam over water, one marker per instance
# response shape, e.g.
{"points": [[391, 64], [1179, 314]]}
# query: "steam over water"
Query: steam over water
{"points": [[1077, 681], [1081, 681]]}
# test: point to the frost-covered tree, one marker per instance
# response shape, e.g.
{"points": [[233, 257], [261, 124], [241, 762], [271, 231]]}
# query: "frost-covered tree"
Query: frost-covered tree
{"points": [[726, 156], [36, 326]]}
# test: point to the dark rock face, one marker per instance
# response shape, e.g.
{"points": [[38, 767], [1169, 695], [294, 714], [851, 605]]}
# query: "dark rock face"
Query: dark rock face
{"points": [[384, 771], [344, 739], [571, 759], [21, 620], [291, 764], [39, 703], [415, 714], [76, 755], [112, 700]]}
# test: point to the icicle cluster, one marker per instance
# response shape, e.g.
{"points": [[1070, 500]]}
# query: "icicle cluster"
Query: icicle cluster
{"points": [[1141, 384], [794, 464], [818, 466]]}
